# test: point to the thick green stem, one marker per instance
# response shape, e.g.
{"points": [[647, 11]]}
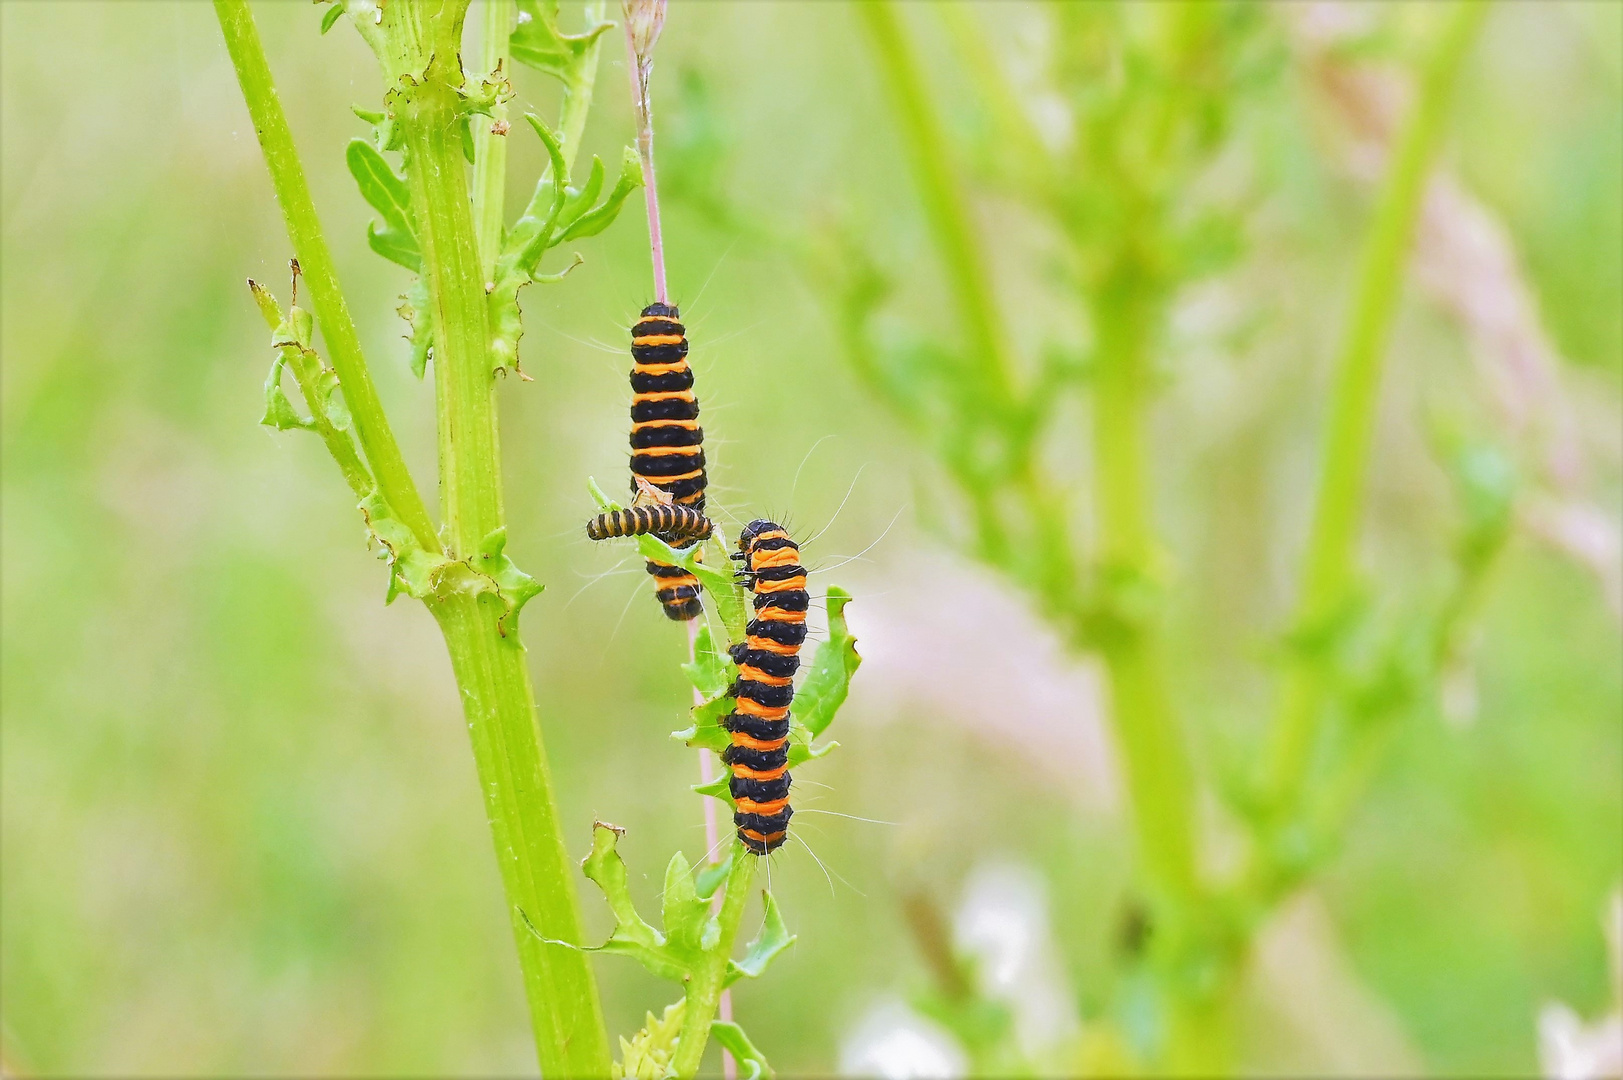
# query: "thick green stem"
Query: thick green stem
{"points": [[309, 245], [417, 45], [704, 990], [944, 205], [1154, 754], [1329, 564], [489, 147], [537, 874], [490, 670]]}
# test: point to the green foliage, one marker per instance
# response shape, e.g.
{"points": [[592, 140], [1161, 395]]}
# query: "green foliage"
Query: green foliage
{"points": [[647, 1055], [539, 43]]}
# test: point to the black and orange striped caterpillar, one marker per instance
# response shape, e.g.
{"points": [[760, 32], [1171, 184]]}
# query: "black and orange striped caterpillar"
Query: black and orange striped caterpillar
{"points": [[682, 522], [767, 659], [667, 443]]}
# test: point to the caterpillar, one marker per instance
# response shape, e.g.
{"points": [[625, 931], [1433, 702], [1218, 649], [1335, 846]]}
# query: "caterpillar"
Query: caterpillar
{"points": [[682, 522], [667, 443], [767, 659]]}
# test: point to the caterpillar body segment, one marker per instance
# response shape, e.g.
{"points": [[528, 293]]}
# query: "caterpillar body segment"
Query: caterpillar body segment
{"points": [[667, 443], [767, 659], [674, 521]]}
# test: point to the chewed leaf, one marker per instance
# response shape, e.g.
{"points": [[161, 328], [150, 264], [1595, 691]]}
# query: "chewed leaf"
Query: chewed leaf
{"points": [[578, 200], [772, 940], [419, 315], [412, 568], [708, 671], [279, 411], [825, 687], [719, 788], [605, 867], [386, 193], [711, 875], [801, 750], [732, 1037], [685, 914]]}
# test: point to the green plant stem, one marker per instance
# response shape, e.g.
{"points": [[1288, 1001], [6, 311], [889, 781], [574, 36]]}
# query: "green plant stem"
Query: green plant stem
{"points": [[1155, 757], [578, 88], [1329, 564], [489, 148], [1157, 768], [704, 991], [536, 870], [537, 874], [944, 204], [304, 230]]}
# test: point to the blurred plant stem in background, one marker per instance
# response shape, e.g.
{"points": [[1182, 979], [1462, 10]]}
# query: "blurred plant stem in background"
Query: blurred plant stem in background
{"points": [[471, 589], [1151, 96]]}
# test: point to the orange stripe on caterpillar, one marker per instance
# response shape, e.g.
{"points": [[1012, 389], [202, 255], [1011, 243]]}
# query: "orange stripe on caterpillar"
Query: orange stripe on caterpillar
{"points": [[755, 674], [788, 584], [759, 774], [765, 809], [656, 339], [751, 707], [774, 614], [662, 395]]}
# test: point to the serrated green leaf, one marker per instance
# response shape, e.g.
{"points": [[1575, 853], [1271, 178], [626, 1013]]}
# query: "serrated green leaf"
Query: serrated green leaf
{"points": [[605, 867], [506, 319], [711, 875], [412, 567], [772, 940], [602, 216], [331, 399], [537, 42], [512, 586], [706, 732], [719, 788], [268, 307], [801, 750], [534, 233], [279, 411], [331, 17], [707, 672], [419, 315], [300, 328], [385, 192], [398, 247], [685, 916], [386, 134], [579, 200], [733, 1039], [829, 680]]}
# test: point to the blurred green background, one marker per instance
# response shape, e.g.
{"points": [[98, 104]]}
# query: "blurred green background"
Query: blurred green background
{"points": [[241, 831]]}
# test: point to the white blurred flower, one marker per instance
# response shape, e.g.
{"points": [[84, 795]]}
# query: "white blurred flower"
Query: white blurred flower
{"points": [[1570, 1049], [1003, 924], [895, 1043]]}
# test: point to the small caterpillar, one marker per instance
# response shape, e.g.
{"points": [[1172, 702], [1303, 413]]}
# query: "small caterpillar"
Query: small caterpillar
{"points": [[683, 522], [667, 443], [767, 659]]}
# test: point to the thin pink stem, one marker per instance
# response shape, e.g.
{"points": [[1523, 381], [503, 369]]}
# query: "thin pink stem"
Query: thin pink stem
{"points": [[640, 67], [707, 773]]}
